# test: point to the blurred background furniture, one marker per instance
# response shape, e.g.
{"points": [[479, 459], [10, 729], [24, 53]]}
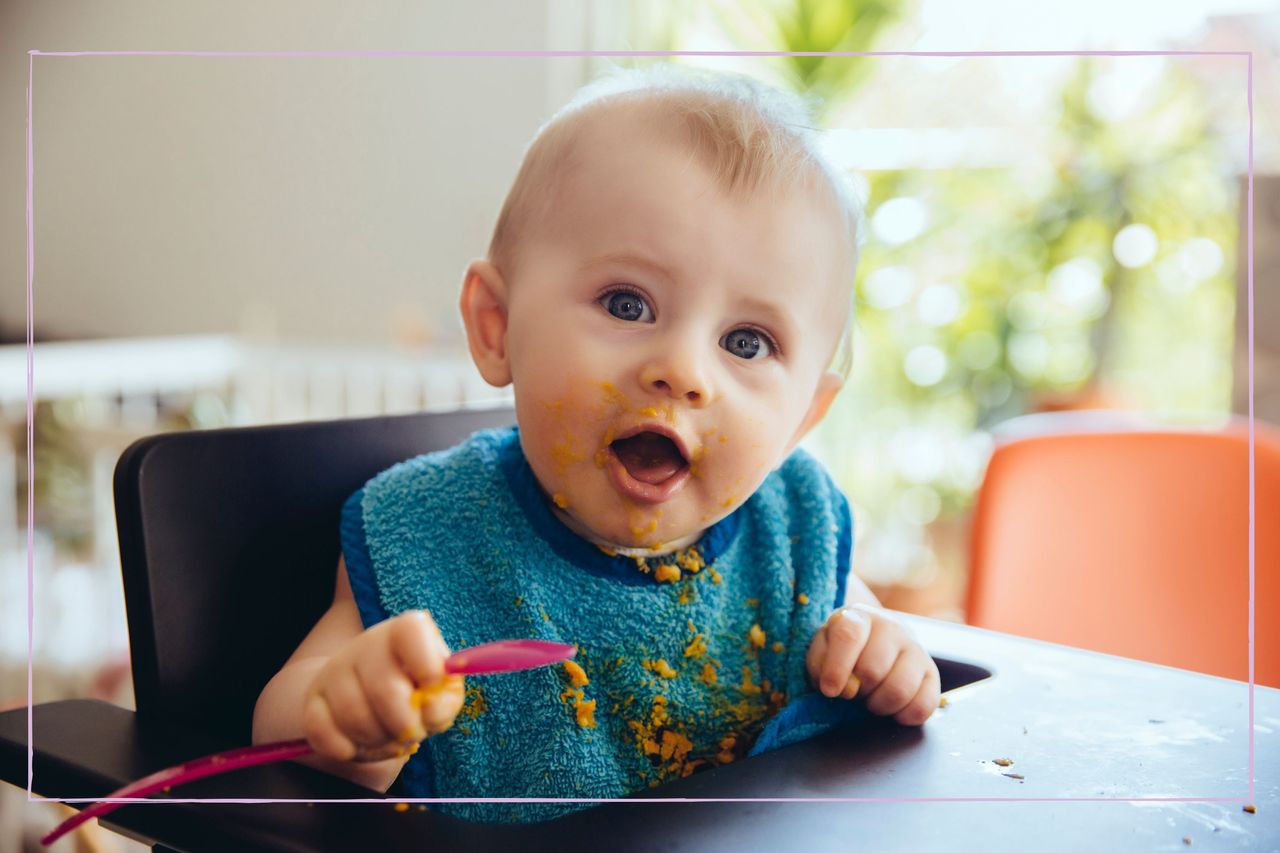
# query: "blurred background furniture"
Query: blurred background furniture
{"points": [[1096, 530]]}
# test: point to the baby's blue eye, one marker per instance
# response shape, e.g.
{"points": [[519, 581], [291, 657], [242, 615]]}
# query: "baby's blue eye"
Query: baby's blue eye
{"points": [[627, 306], [746, 343]]}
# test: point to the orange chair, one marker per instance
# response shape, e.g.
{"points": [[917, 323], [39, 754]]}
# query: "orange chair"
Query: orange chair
{"points": [[1132, 540]]}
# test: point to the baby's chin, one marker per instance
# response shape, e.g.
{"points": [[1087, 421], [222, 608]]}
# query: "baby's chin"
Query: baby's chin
{"points": [[647, 537]]}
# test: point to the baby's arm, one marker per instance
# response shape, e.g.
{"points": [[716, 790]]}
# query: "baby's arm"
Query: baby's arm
{"points": [[351, 692], [862, 651]]}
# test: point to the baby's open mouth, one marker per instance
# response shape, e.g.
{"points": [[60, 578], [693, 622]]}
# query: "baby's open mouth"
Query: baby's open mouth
{"points": [[649, 457]]}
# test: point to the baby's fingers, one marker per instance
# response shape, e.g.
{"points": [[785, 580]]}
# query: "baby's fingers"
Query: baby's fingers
{"points": [[322, 732], [925, 702], [350, 711], [845, 634], [417, 646], [420, 650], [329, 741], [389, 694], [911, 679], [440, 703], [816, 655]]}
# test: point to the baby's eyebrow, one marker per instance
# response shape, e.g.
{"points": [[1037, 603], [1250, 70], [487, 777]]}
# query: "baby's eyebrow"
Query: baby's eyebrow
{"points": [[775, 316], [626, 258]]}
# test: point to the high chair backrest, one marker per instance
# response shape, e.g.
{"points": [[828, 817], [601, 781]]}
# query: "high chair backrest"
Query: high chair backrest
{"points": [[229, 548], [1132, 541]]}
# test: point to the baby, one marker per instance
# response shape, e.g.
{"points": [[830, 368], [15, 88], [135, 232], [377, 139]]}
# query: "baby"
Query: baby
{"points": [[667, 291]]}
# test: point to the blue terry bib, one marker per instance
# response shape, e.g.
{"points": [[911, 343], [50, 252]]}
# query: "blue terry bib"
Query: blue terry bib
{"points": [[686, 660]]}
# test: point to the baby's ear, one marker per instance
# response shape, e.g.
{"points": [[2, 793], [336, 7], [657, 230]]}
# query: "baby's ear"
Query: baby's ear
{"points": [[829, 384], [484, 313]]}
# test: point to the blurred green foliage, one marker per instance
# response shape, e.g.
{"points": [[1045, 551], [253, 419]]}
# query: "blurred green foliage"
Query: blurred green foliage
{"points": [[985, 293], [812, 26]]}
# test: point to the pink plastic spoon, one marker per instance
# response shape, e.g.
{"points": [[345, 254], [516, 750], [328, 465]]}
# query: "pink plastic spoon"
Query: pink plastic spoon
{"points": [[487, 659]]}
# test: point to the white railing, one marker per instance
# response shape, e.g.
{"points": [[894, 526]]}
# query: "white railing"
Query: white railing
{"points": [[114, 391]]}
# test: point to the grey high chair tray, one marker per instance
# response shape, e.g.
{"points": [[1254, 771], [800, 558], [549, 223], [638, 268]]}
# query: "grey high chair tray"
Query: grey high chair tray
{"points": [[1085, 731]]}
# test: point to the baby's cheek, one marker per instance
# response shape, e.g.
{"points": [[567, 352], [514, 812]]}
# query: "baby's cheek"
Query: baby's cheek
{"points": [[552, 428], [732, 465], [564, 437]]}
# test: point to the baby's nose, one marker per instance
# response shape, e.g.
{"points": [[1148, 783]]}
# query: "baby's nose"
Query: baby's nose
{"points": [[678, 378]]}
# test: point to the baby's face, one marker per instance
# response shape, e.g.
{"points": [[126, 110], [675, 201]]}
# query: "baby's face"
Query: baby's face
{"points": [[666, 341]]}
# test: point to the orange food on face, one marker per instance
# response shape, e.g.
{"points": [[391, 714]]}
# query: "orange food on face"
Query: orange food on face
{"points": [[564, 455], [640, 532], [613, 395]]}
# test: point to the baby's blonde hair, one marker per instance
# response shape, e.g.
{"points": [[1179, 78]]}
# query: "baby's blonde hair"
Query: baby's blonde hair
{"points": [[751, 136]]}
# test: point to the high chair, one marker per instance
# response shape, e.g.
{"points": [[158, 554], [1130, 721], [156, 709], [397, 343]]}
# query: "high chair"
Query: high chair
{"points": [[229, 549], [1095, 530]]}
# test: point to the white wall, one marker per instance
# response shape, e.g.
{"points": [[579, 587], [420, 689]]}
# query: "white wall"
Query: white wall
{"points": [[300, 198]]}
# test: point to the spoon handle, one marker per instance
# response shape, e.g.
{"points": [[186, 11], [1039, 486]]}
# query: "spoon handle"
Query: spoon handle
{"points": [[486, 659]]}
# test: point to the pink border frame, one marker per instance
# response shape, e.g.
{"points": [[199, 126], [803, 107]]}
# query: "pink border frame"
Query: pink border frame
{"points": [[30, 221]]}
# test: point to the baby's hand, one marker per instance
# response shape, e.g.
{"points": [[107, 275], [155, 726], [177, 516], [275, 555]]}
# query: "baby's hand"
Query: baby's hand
{"points": [[383, 692], [860, 651]]}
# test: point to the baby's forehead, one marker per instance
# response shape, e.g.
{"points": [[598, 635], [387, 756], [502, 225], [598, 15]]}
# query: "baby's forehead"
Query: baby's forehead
{"points": [[623, 165], [734, 151], [750, 144], [744, 150]]}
